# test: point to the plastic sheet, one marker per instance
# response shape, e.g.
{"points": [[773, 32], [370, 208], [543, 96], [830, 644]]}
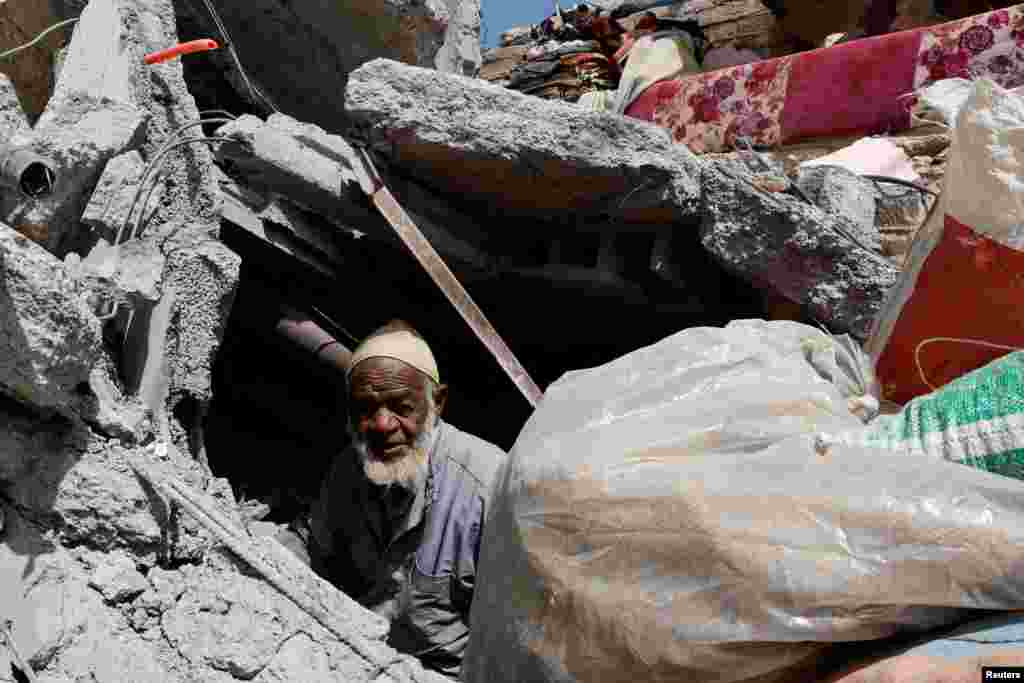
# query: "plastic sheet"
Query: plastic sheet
{"points": [[674, 516]]}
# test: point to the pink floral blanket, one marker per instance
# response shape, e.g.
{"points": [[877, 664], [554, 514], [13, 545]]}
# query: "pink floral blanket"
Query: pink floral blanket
{"points": [[862, 87]]}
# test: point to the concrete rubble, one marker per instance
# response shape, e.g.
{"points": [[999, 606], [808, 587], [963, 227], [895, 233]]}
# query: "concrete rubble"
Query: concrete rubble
{"points": [[809, 256], [140, 302], [520, 155]]}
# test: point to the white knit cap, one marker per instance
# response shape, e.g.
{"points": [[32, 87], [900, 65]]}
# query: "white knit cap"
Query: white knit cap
{"points": [[401, 345]]}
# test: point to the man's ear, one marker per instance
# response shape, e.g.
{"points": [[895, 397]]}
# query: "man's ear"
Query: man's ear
{"points": [[441, 398]]}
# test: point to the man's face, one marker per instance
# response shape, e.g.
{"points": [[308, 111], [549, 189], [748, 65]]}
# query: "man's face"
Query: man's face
{"points": [[392, 417]]}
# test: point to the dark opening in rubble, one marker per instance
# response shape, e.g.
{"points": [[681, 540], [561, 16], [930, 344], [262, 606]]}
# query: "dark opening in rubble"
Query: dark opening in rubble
{"points": [[278, 412], [22, 170], [37, 180]]}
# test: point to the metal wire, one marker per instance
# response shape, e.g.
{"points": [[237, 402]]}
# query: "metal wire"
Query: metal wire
{"points": [[899, 181], [222, 112], [166, 150], [234, 56], [14, 50], [156, 175], [161, 153]]}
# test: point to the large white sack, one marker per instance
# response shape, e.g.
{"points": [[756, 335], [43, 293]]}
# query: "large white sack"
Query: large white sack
{"points": [[672, 516]]}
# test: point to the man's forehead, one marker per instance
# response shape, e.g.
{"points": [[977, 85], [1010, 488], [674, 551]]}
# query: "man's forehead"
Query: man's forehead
{"points": [[385, 375]]}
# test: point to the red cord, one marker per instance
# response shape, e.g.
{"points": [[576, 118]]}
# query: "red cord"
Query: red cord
{"points": [[181, 49]]}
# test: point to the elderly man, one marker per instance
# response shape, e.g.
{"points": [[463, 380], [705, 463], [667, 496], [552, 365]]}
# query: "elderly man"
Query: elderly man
{"points": [[399, 519]]}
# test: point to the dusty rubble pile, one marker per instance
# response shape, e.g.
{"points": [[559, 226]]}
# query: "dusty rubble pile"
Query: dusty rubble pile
{"points": [[107, 359], [142, 281]]}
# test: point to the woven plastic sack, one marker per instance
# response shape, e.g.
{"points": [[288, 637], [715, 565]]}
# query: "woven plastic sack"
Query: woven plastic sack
{"points": [[674, 516], [964, 275], [977, 420]]}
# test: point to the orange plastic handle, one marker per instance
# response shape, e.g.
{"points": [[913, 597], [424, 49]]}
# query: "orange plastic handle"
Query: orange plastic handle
{"points": [[181, 49]]}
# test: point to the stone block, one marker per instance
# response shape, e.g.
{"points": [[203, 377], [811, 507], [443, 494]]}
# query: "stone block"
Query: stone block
{"points": [[49, 338], [511, 155], [776, 240]]}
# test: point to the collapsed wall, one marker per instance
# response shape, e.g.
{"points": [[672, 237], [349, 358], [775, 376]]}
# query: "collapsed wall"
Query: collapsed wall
{"points": [[106, 358]]}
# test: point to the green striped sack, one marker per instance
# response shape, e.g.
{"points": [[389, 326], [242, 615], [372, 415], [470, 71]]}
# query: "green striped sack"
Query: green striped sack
{"points": [[976, 420]]}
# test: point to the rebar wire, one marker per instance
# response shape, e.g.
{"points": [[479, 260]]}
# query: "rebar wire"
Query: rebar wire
{"points": [[899, 181], [954, 340], [174, 138], [222, 112], [14, 50], [229, 44], [167, 149], [335, 325], [156, 175]]}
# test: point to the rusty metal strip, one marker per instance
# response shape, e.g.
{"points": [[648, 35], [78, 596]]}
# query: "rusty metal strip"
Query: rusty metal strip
{"points": [[435, 266]]}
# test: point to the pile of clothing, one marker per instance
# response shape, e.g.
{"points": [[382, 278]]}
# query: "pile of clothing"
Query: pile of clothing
{"points": [[588, 56], [564, 57]]}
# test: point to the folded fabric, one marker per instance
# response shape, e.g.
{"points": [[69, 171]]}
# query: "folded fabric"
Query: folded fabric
{"points": [[654, 57], [596, 100], [855, 88], [531, 71]]}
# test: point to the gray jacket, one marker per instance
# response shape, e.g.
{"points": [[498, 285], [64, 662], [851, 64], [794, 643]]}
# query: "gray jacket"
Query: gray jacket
{"points": [[420, 574]]}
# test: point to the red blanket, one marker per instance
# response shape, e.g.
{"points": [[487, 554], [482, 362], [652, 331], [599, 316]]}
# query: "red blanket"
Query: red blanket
{"points": [[863, 87]]}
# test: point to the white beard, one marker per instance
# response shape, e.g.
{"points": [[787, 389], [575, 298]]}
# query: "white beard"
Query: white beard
{"points": [[409, 471]]}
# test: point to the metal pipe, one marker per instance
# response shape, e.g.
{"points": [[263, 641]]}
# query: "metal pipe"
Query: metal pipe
{"points": [[26, 172], [306, 334]]}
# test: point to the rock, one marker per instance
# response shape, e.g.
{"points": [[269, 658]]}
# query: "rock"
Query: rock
{"points": [[313, 169], [78, 144], [93, 499], [237, 624], [12, 116], [274, 160], [778, 241], [113, 413], [29, 71], [835, 190], [26, 441], [64, 627], [107, 211], [203, 279], [118, 580], [512, 155], [49, 339], [104, 68]]}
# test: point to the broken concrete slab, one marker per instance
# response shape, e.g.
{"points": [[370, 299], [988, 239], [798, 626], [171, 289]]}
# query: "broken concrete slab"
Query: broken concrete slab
{"points": [[519, 156], [49, 339], [294, 162], [838, 191], [111, 199], [227, 621], [27, 440], [117, 579], [104, 68], [203, 278], [78, 147], [91, 498], [12, 116], [280, 223], [776, 240], [273, 161]]}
